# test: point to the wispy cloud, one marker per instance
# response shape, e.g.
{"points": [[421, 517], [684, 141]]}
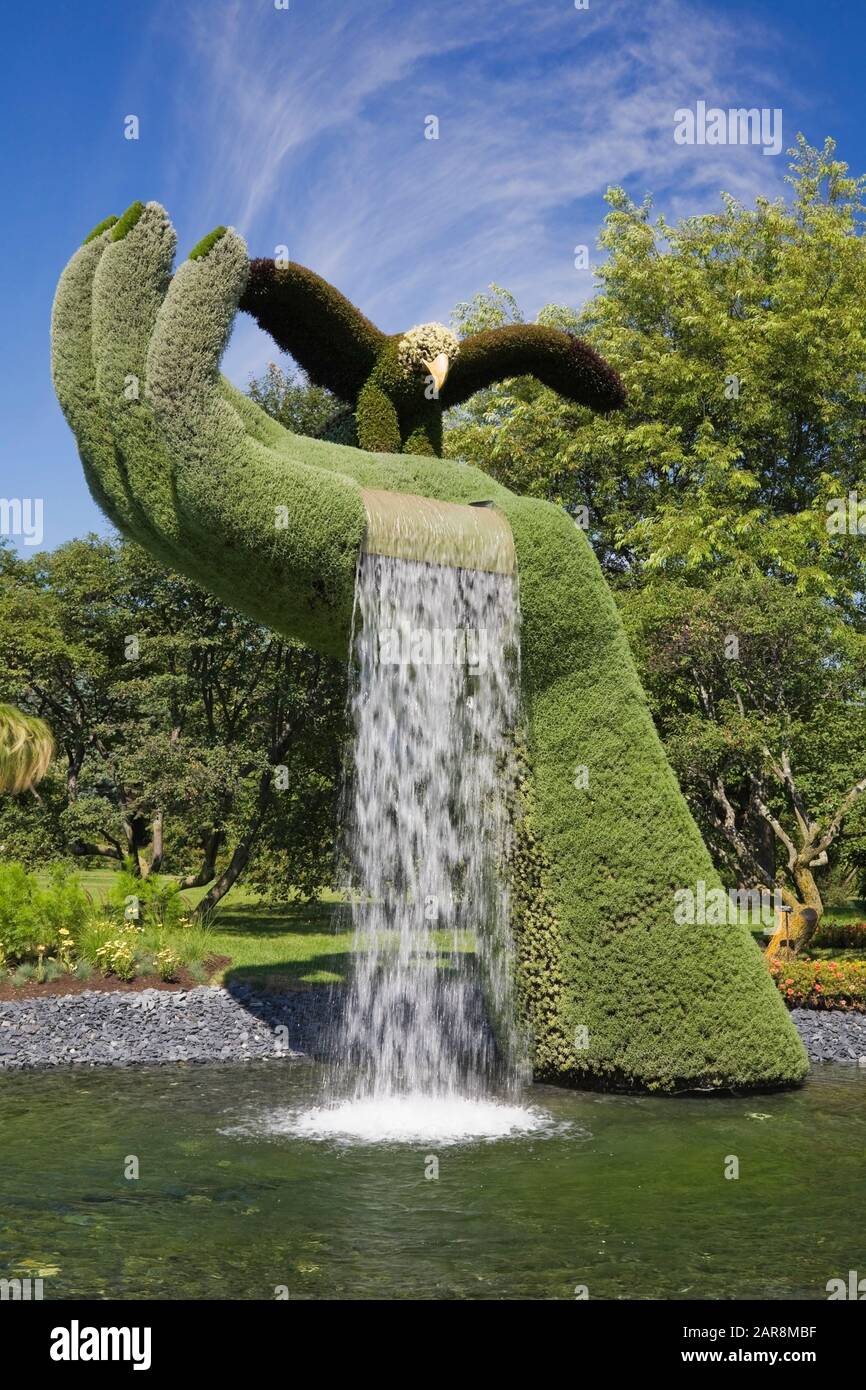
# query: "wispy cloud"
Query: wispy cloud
{"points": [[306, 127]]}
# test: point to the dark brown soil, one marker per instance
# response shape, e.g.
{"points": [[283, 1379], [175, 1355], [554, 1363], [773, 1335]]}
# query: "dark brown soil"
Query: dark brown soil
{"points": [[70, 984]]}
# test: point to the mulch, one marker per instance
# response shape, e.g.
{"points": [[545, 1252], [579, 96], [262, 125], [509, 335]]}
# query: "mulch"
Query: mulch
{"points": [[70, 984]]}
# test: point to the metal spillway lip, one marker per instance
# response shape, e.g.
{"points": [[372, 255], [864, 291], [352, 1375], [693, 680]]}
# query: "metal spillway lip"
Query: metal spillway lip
{"points": [[407, 527]]}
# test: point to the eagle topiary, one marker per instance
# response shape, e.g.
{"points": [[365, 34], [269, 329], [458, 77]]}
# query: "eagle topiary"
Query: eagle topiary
{"points": [[397, 385]]}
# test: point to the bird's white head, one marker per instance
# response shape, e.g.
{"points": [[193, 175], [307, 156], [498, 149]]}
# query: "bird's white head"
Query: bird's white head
{"points": [[428, 350]]}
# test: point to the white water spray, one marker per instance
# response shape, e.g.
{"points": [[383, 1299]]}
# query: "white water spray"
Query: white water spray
{"points": [[428, 1043]]}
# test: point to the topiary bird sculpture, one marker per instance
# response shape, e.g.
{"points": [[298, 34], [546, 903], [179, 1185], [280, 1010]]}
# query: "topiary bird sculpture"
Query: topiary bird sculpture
{"points": [[398, 385]]}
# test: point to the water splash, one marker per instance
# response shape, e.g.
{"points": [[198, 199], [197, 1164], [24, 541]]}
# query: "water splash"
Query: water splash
{"points": [[404, 1119], [434, 697]]}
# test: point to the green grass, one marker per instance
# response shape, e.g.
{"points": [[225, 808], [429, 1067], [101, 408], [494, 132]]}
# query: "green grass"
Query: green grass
{"points": [[854, 911], [289, 946], [299, 945], [296, 945]]}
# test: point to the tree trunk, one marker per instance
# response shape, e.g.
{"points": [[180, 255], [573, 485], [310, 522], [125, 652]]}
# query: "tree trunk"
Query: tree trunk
{"points": [[212, 845], [794, 935], [233, 870], [241, 856], [154, 863], [765, 849]]}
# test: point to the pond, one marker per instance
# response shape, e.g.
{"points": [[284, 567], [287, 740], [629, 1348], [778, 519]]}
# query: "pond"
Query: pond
{"points": [[625, 1195]]}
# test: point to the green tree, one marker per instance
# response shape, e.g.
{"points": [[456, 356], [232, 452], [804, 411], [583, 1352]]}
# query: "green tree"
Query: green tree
{"points": [[189, 738], [294, 401], [740, 336], [761, 693]]}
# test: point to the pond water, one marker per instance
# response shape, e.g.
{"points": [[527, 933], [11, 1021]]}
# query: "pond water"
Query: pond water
{"points": [[239, 1193]]}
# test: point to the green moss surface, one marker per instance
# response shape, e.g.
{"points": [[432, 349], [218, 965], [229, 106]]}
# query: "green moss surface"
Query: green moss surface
{"points": [[614, 991], [100, 227], [127, 221], [201, 248]]}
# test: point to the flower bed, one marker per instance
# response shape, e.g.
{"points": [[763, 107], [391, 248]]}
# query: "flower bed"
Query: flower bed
{"points": [[821, 984], [55, 931]]}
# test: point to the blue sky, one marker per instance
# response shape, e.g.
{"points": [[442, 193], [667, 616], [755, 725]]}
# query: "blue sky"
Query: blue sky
{"points": [[305, 127]]}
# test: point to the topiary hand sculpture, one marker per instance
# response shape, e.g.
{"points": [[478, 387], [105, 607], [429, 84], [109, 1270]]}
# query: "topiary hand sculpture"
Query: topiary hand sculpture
{"points": [[614, 990], [398, 385]]}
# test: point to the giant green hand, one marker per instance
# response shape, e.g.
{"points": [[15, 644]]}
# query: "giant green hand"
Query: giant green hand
{"points": [[615, 991]]}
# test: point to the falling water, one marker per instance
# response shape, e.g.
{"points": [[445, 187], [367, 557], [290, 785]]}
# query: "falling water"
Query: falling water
{"points": [[429, 1023]]}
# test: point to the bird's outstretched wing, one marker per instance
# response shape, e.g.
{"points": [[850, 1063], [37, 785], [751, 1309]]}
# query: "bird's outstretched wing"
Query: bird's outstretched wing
{"points": [[307, 317], [565, 363]]}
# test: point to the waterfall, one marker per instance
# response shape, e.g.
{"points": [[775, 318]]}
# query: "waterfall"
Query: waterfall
{"points": [[434, 701]]}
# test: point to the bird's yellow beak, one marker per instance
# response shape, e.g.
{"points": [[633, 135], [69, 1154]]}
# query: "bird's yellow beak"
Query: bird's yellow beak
{"points": [[439, 369]]}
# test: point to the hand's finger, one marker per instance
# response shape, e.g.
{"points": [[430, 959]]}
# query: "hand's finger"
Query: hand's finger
{"points": [[129, 286], [286, 530], [74, 376]]}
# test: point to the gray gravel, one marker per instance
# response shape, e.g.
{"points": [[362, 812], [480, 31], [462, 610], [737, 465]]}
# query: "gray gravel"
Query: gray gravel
{"points": [[104, 1028], [832, 1035]]}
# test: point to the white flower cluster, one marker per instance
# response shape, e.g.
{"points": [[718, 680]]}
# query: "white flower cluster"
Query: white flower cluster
{"points": [[423, 344]]}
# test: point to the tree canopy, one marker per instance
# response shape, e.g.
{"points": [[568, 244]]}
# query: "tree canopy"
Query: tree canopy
{"points": [[727, 500]]}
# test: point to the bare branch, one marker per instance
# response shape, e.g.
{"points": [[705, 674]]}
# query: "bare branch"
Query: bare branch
{"points": [[836, 823], [779, 831]]}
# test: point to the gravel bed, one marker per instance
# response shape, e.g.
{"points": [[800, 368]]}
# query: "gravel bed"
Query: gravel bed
{"points": [[832, 1035], [103, 1028]]}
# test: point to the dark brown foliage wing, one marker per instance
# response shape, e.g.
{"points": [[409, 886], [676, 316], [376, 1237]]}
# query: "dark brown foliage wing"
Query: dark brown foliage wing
{"points": [[307, 317], [559, 360]]}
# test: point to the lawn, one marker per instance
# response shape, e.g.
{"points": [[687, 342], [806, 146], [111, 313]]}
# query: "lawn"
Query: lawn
{"points": [[854, 911], [301, 945], [290, 946]]}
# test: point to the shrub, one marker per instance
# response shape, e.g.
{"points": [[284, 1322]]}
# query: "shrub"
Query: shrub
{"points": [[63, 904], [31, 916], [97, 930], [840, 936], [167, 964], [160, 900], [117, 958], [19, 918], [821, 984]]}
